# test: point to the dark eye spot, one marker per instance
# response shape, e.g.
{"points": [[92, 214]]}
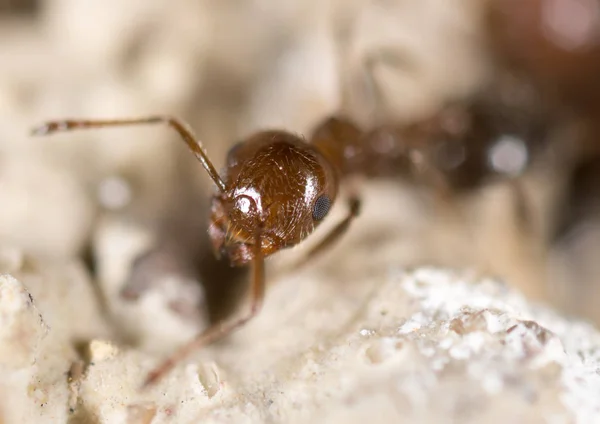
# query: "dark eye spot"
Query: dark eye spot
{"points": [[321, 207]]}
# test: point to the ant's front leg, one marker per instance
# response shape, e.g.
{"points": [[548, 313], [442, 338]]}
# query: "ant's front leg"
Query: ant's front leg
{"points": [[220, 329]]}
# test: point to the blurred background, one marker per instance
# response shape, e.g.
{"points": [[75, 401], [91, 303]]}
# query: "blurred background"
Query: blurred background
{"points": [[517, 187]]}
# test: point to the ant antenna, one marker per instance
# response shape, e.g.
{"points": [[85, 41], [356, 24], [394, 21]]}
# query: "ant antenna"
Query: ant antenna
{"points": [[183, 129]]}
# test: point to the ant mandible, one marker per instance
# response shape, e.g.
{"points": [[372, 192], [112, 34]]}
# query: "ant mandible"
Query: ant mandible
{"points": [[275, 190], [278, 187]]}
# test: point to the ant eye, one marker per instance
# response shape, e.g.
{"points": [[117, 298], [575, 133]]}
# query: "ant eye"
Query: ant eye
{"points": [[321, 207]]}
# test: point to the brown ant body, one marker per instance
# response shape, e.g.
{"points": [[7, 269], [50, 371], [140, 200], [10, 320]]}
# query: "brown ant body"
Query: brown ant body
{"points": [[277, 187]]}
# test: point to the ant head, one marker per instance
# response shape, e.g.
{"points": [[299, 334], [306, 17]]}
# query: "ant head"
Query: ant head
{"points": [[276, 184]]}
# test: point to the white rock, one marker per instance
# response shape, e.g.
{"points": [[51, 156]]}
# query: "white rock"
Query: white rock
{"points": [[21, 325], [47, 202], [481, 353]]}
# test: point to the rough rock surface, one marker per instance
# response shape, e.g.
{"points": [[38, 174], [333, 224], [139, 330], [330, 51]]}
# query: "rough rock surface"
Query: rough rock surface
{"points": [[44, 314], [428, 345]]}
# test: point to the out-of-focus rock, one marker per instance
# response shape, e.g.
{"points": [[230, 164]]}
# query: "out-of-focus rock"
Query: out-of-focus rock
{"points": [[166, 304], [46, 201], [300, 88], [398, 56]]}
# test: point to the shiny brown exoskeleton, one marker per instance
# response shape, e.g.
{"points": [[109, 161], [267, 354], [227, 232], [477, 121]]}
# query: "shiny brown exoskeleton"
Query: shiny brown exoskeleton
{"points": [[277, 187], [277, 183]]}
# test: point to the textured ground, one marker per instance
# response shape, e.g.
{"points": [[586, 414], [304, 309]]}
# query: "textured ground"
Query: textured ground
{"points": [[428, 345]]}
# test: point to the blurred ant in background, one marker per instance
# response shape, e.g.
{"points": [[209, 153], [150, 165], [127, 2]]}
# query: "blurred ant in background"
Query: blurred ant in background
{"points": [[556, 45], [561, 57]]}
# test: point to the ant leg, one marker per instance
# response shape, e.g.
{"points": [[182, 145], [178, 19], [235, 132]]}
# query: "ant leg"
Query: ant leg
{"points": [[523, 207], [183, 129], [220, 329], [422, 166], [336, 233]]}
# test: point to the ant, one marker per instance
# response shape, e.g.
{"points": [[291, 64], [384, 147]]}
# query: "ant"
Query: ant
{"points": [[275, 191], [278, 187]]}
